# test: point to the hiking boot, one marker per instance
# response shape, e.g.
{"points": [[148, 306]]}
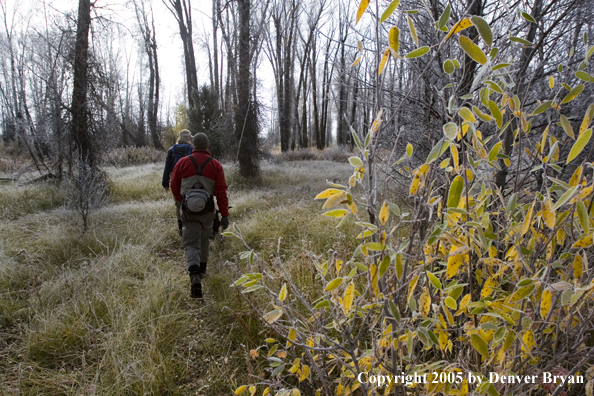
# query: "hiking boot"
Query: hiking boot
{"points": [[195, 285]]}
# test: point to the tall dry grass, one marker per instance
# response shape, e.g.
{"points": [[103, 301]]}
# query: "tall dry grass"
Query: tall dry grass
{"points": [[109, 313]]}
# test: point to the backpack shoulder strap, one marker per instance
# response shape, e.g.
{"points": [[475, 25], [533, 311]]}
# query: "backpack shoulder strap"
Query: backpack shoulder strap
{"points": [[205, 163], [198, 168]]}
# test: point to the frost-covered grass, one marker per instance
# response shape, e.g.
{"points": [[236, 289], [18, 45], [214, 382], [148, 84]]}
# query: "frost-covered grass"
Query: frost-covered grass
{"points": [[109, 312]]}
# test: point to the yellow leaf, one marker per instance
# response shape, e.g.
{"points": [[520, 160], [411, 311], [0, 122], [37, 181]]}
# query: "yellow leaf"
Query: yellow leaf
{"points": [[443, 340], [455, 157], [383, 62], [528, 219], [334, 200], [240, 390], [548, 213], [356, 62], [283, 293], [394, 39], [577, 175], [273, 316], [305, 371], [551, 82], [362, 7], [466, 114], [488, 287], [545, 304], [295, 392], [528, 339], [328, 193], [347, 299], [578, 267], [584, 242], [425, 304], [413, 31], [458, 27], [587, 119], [414, 185], [292, 335], [454, 262], [579, 145], [566, 125], [469, 175], [479, 345], [384, 213], [411, 287], [352, 207], [472, 50], [266, 391], [333, 285], [252, 390]]}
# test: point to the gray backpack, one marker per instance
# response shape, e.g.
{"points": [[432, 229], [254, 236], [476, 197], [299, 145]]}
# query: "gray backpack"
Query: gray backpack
{"points": [[197, 200]]}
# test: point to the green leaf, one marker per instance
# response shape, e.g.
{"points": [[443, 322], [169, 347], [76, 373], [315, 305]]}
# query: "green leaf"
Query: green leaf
{"points": [[590, 52], [390, 10], [584, 76], [496, 113], [356, 162], [567, 127], [448, 66], [565, 197], [583, 216], [501, 66], [375, 246], [543, 107], [417, 53], [520, 40], [409, 150], [450, 130], [437, 150], [384, 265], [472, 50], [451, 303], [455, 192], [528, 17], [445, 16], [356, 139], [494, 86], [434, 280], [494, 151], [481, 115], [483, 28], [479, 345], [394, 311], [333, 285], [573, 94], [336, 213], [579, 145], [322, 304]]}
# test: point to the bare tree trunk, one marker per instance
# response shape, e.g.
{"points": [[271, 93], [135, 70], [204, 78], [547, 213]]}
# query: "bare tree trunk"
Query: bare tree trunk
{"points": [[182, 12], [246, 114], [80, 123]]}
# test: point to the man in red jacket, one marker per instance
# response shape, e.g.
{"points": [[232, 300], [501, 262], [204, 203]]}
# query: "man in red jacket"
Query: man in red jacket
{"points": [[204, 173]]}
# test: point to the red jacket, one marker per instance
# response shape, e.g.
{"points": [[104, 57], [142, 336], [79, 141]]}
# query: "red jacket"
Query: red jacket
{"points": [[213, 170]]}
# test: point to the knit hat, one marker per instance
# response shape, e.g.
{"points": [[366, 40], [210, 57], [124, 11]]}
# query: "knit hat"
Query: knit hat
{"points": [[200, 141]]}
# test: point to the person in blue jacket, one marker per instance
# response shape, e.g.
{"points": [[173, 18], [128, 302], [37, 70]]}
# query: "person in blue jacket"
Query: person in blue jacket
{"points": [[182, 148]]}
